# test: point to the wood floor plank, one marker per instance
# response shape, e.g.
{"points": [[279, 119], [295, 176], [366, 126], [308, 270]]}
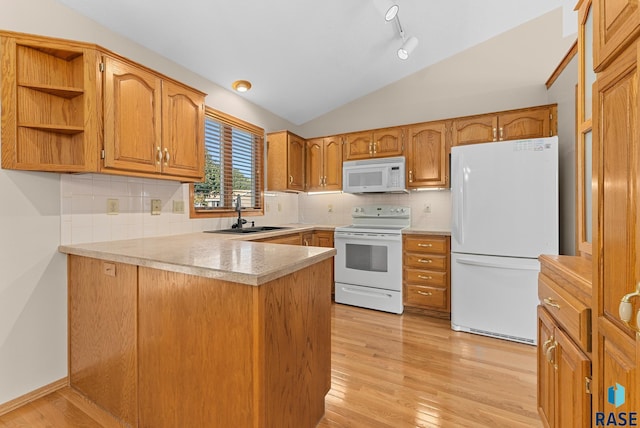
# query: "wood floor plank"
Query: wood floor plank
{"points": [[388, 371]]}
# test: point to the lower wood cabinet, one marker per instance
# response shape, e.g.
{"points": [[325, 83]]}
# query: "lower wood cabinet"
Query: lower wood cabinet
{"points": [[165, 349], [324, 238], [290, 239], [564, 342], [426, 273]]}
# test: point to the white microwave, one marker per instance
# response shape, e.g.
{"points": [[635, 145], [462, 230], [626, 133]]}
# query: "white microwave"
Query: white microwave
{"points": [[374, 175]]}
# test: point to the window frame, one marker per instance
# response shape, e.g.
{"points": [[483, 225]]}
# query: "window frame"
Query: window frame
{"points": [[229, 210]]}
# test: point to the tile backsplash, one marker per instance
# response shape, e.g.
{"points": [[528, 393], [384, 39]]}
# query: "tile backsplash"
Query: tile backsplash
{"points": [[84, 215]]}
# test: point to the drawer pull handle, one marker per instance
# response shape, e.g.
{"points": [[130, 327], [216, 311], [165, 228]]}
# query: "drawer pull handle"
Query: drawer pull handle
{"points": [[546, 345], [551, 353], [625, 310], [425, 277], [425, 245], [550, 302], [425, 261], [425, 293]]}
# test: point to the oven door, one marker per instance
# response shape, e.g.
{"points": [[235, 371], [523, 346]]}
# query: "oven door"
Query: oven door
{"points": [[369, 259]]}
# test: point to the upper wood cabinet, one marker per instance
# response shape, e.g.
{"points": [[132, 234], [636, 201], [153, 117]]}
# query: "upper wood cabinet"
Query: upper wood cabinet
{"points": [[151, 125], [378, 143], [50, 117], [74, 107], [617, 24], [324, 164], [427, 155], [285, 162], [533, 122]]}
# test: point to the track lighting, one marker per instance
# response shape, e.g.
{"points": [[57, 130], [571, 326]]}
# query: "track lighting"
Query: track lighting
{"points": [[387, 8], [407, 47]]}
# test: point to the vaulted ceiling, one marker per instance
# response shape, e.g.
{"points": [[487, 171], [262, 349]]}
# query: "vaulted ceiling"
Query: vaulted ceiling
{"points": [[304, 57]]}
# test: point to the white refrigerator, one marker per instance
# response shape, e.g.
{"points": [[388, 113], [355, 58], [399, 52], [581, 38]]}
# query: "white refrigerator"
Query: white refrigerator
{"points": [[504, 215]]}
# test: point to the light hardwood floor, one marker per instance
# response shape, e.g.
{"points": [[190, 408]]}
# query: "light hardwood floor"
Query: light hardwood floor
{"points": [[387, 371]]}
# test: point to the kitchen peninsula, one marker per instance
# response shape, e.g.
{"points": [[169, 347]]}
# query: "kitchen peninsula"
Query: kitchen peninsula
{"points": [[199, 330]]}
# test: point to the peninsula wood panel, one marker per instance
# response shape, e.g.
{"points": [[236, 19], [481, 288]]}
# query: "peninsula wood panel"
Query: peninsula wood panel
{"points": [[103, 362], [297, 347], [196, 350]]}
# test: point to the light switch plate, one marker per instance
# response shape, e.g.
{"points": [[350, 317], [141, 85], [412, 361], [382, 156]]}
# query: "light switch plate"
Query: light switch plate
{"points": [[113, 206], [156, 206], [178, 207]]}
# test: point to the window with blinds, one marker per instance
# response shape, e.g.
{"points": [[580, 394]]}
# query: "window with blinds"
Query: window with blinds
{"points": [[233, 166]]}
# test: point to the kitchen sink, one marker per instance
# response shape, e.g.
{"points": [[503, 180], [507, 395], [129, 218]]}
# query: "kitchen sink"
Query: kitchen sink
{"points": [[256, 229]]}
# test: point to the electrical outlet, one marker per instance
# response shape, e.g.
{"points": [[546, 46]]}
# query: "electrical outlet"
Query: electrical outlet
{"points": [[113, 206], [279, 207], [156, 206], [427, 208], [330, 208], [178, 207]]}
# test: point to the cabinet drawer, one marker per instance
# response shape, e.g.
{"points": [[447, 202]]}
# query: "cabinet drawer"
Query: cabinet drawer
{"points": [[426, 244], [568, 311], [426, 261], [418, 295], [426, 277]]}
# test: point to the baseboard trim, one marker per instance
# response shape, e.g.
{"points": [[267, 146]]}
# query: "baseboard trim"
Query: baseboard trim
{"points": [[33, 395]]}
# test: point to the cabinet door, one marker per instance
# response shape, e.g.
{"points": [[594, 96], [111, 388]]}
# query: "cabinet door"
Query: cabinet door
{"points": [[314, 171], [358, 145], [616, 23], [427, 163], [387, 142], [477, 129], [132, 118], [182, 131], [572, 368], [524, 124], [295, 162], [616, 347], [332, 163], [546, 371]]}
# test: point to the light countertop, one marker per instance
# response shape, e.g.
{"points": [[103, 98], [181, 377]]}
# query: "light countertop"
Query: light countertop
{"points": [[209, 255]]}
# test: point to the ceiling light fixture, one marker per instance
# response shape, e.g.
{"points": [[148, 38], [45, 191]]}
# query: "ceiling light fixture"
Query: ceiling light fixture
{"points": [[387, 8], [408, 44], [241, 85], [407, 47]]}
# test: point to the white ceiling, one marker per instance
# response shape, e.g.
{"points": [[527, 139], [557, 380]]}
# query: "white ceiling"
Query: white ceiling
{"points": [[306, 57]]}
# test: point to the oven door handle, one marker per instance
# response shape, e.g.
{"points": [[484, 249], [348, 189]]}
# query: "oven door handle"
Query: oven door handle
{"points": [[358, 237], [366, 293]]}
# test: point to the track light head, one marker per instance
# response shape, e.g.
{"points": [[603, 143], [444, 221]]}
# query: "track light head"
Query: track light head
{"points": [[387, 8], [407, 47]]}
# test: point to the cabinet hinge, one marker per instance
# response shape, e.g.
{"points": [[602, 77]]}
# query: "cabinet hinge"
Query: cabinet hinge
{"points": [[587, 385], [102, 67], [102, 154]]}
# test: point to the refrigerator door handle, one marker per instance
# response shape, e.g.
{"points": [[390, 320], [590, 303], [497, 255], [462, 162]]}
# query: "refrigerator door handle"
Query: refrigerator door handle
{"points": [[457, 230], [494, 265]]}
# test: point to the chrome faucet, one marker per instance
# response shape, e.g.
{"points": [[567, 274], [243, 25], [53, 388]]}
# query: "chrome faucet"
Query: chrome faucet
{"points": [[241, 221]]}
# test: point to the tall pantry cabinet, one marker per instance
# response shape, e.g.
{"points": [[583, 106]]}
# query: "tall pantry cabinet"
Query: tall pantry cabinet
{"points": [[616, 350]]}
